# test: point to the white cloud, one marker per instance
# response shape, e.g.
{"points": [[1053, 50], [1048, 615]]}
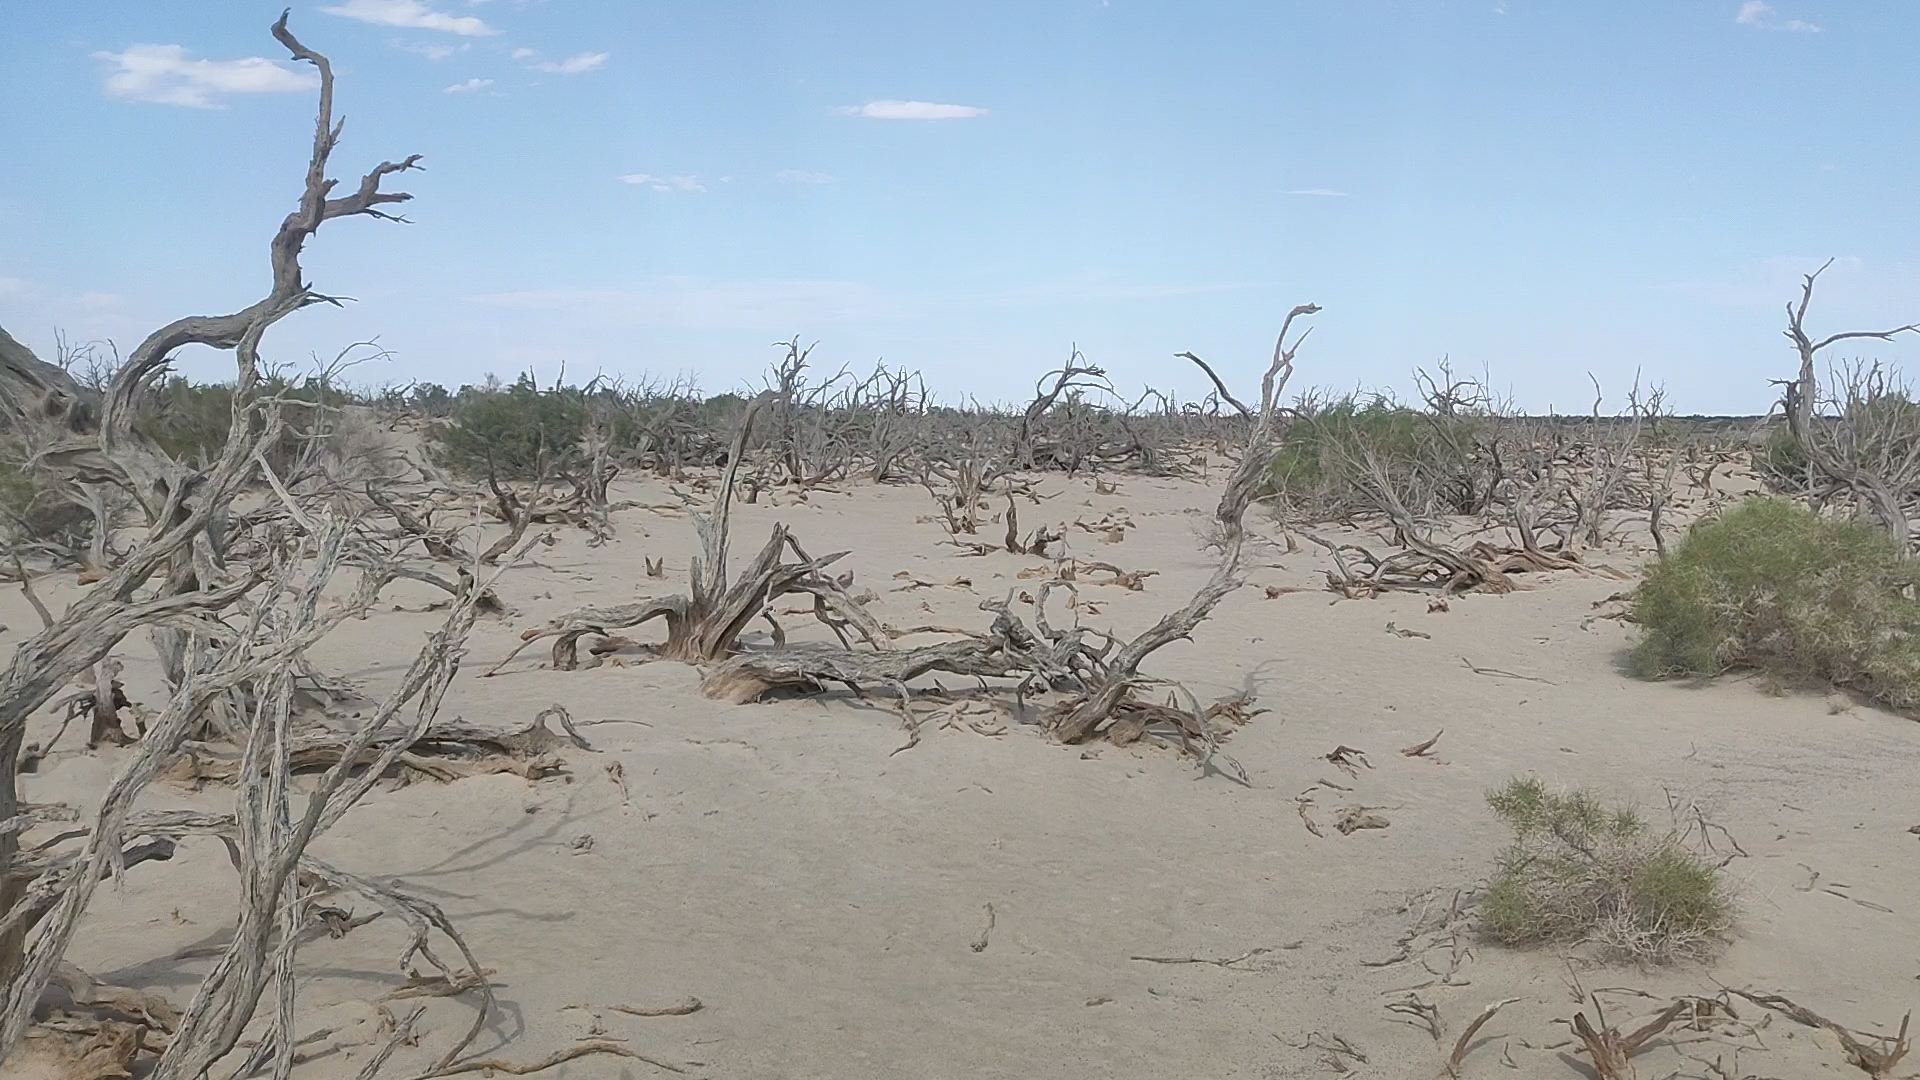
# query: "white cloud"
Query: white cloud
{"points": [[430, 51], [163, 74], [1320, 192], [572, 65], [802, 176], [411, 14], [912, 110], [1761, 13], [524, 53], [669, 184], [13, 285], [471, 86]]}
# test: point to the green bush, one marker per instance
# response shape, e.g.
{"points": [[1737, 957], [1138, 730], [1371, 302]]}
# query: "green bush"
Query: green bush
{"points": [[1772, 587], [1582, 872], [33, 513], [1781, 462], [190, 421], [1438, 460], [512, 427]]}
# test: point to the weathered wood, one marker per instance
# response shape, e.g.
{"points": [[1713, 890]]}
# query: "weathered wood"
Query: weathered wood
{"points": [[1080, 721]]}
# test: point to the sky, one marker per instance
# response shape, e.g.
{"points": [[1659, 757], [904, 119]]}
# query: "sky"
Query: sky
{"points": [[1547, 191]]}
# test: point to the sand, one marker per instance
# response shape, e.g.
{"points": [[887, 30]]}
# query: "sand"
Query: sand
{"points": [[823, 895]]}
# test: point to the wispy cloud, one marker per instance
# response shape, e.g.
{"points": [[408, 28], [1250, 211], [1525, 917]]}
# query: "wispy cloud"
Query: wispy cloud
{"points": [[1761, 13], [1319, 192], [572, 65], [912, 110], [13, 285], [802, 176], [164, 75], [430, 50], [471, 86], [524, 53], [411, 14], [669, 184]]}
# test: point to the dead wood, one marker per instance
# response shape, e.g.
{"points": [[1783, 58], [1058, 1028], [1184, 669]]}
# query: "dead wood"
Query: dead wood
{"points": [[249, 669], [89, 437], [589, 1048], [441, 544], [1609, 1050], [1421, 748], [684, 1008], [703, 625], [1347, 759], [1877, 1059], [1881, 490], [1216, 962], [1096, 708], [445, 751], [1353, 819], [979, 944], [1418, 1013], [1100, 674], [1497, 673], [1008, 650], [1464, 1043]]}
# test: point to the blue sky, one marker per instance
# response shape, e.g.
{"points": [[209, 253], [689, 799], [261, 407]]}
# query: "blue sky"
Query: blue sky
{"points": [[1543, 188]]}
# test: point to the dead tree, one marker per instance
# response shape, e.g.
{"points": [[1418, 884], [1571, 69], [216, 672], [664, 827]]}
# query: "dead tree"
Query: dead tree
{"points": [[703, 624], [89, 437], [1100, 674], [1076, 375], [1881, 495], [280, 883], [47, 888], [1077, 720]]}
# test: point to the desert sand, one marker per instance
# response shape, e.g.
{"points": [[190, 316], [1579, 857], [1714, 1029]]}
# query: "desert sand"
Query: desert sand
{"points": [[825, 896]]}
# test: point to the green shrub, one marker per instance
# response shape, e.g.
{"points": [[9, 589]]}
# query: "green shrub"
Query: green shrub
{"points": [[190, 421], [1772, 587], [1437, 460], [513, 427], [33, 513], [1781, 462], [1582, 872]]}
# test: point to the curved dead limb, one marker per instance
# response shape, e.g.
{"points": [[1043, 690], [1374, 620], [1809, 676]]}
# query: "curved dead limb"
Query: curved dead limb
{"points": [[1877, 1061], [1219, 386], [1080, 719], [1077, 374]]}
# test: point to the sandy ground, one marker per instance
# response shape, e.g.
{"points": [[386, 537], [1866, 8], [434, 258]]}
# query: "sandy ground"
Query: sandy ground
{"points": [[823, 895]]}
